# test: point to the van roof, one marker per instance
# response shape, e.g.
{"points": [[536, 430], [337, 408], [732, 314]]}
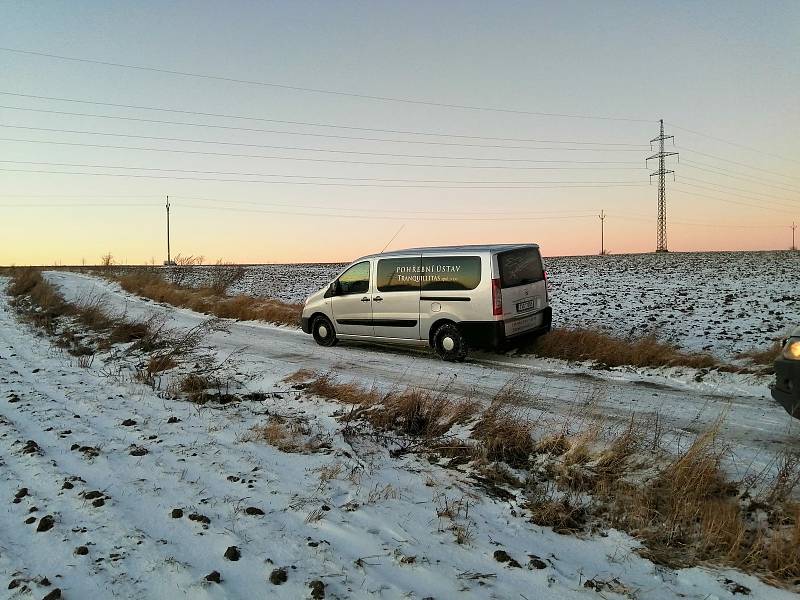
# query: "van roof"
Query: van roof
{"points": [[466, 249]]}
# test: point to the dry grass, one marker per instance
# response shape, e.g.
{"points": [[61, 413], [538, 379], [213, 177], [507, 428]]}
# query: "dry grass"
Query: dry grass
{"points": [[162, 349], [211, 300], [224, 275], [555, 445], [326, 386], [763, 357], [419, 413], [39, 301], [690, 514], [613, 351], [293, 435], [45, 306], [548, 507], [411, 412], [277, 434], [301, 376], [505, 435], [157, 364], [23, 280], [453, 515], [194, 385], [682, 507], [124, 332]]}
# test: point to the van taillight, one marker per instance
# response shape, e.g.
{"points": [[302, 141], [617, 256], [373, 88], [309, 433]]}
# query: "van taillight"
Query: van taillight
{"points": [[497, 298], [546, 288]]}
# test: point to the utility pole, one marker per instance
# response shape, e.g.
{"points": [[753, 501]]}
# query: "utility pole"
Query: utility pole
{"points": [[794, 226], [602, 217], [661, 235], [169, 260]]}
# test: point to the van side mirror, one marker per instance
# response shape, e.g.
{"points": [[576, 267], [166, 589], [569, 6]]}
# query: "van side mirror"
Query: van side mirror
{"points": [[332, 289]]}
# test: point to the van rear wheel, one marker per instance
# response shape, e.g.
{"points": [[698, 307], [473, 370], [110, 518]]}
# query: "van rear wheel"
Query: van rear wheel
{"points": [[323, 332], [449, 343]]}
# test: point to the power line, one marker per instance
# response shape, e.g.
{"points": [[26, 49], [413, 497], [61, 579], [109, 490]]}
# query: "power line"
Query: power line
{"points": [[566, 215], [698, 224], [733, 162], [295, 205], [729, 201], [73, 205], [200, 172], [748, 178], [318, 90], [309, 149], [303, 133], [333, 177], [387, 210], [303, 158], [79, 195], [180, 178], [737, 144], [389, 218], [317, 124], [403, 211], [728, 187]]}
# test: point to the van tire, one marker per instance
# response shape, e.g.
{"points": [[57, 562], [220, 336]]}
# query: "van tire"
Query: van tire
{"points": [[323, 331], [449, 344]]}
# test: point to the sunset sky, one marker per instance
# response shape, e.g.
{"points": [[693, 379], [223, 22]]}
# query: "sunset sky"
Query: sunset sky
{"points": [[581, 87]]}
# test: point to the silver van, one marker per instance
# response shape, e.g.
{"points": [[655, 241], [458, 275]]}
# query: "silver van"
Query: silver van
{"points": [[451, 298]]}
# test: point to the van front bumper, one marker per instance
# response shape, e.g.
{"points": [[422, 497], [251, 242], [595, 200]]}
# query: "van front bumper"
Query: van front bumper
{"points": [[491, 335], [786, 389]]}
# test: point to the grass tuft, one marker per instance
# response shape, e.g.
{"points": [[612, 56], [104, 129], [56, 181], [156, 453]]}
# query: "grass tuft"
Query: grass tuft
{"points": [[613, 351], [211, 300], [505, 435], [763, 356]]}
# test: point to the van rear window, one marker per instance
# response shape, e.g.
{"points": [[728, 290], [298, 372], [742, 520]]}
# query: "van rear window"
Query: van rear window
{"points": [[520, 267]]}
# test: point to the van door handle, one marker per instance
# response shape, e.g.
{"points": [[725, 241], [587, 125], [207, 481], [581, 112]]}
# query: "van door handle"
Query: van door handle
{"points": [[365, 299], [377, 299]]}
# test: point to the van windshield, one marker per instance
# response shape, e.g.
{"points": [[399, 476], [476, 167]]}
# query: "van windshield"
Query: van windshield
{"points": [[520, 267]]}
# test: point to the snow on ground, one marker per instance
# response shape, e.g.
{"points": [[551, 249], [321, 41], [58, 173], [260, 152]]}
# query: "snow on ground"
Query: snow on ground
{"points": [[365, 525], [755, 424], [722, 302]]}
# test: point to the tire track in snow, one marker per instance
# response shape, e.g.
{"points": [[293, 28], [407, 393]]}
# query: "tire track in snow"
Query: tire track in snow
{"points": [[208, 475], [107, 526]]}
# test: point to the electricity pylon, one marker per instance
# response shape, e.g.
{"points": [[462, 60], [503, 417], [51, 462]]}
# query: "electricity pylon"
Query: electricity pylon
{"points": [[661, 235]]}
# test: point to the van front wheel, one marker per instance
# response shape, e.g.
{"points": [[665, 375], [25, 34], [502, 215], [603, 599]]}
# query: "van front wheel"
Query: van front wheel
{"points": [[449, 344], [323, 331]]}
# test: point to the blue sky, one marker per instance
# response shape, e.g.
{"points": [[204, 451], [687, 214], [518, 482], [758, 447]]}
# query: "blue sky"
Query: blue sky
{"points": [[728, 70]]}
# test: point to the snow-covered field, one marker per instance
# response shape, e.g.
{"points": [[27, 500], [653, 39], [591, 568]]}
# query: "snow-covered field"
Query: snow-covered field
{"points": [[722, 302], [105, 462]]}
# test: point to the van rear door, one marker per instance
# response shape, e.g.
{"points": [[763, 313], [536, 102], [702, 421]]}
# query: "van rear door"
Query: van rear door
{"points": [[523, 289]]}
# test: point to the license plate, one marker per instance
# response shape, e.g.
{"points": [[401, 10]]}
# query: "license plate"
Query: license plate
{"points": [[524, 324], [526, 305]]}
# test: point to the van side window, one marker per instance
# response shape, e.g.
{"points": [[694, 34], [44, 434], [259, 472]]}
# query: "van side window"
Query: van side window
{"points": [[398, 274], [442, 273], [355, 280]]}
